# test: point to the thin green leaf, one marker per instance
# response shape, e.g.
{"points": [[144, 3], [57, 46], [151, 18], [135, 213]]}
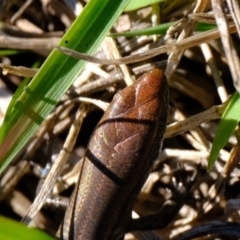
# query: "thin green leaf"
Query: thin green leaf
{"points": [[136, 4], [226, 127], [201, 27], [55, 76], [16, 95], [10, 52], [11, 230], [160, 29]]}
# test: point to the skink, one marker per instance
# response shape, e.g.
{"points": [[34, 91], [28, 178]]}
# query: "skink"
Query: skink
{"points": [[118, 160]]}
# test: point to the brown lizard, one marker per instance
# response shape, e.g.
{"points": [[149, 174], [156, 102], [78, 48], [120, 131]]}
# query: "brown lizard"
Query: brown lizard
{"points": [[118, 160]]}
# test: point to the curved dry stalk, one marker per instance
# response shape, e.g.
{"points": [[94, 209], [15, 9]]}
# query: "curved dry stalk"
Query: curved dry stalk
{"points": [[184, 44], [34, 44], [229, 49], [207, 17], [222, 92], [176, 128], [57, 166], [19, 71]]}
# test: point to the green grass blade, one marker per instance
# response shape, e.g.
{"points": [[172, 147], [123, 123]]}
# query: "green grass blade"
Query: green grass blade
{"points": [[160, 29], [55, 76], [15, 97], [11, 230], [136, 4], [226, 127], [9, 52]]}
